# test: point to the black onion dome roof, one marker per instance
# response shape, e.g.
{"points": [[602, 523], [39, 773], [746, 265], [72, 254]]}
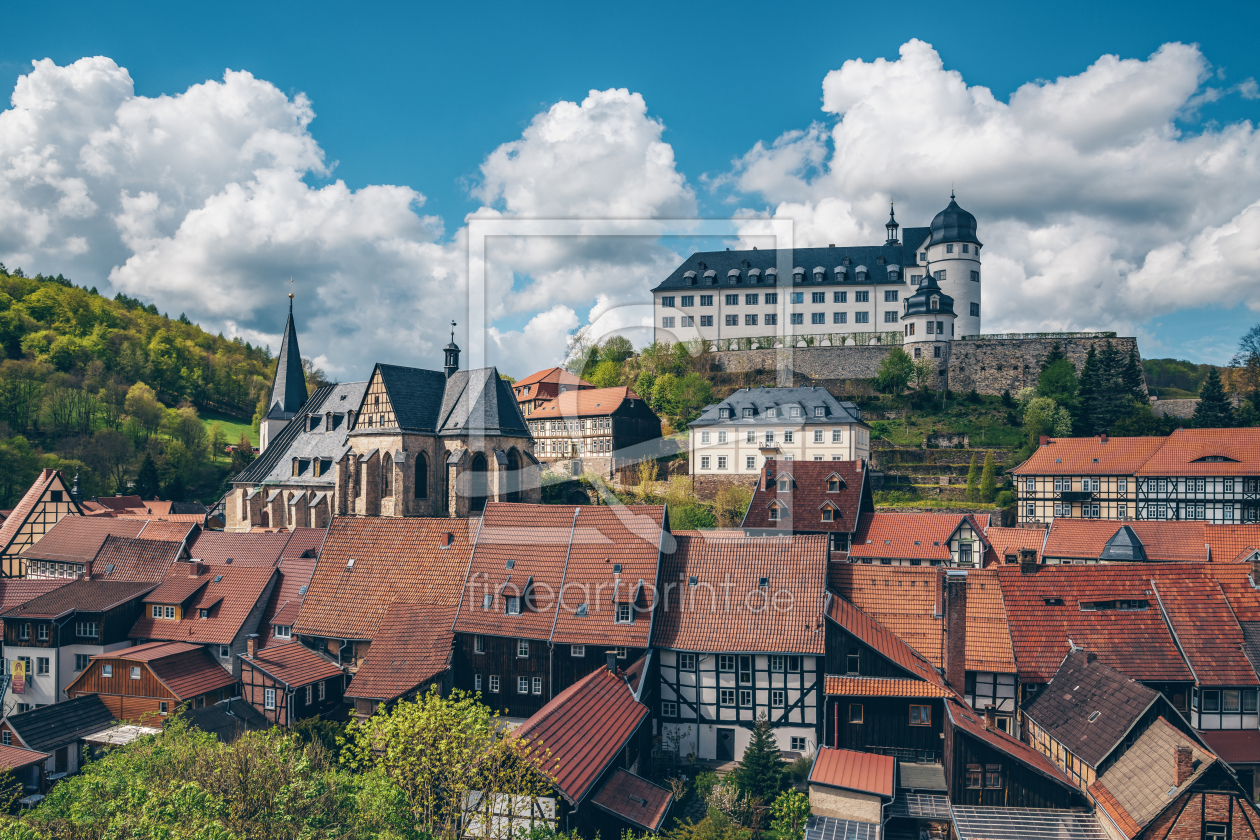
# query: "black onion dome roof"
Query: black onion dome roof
{"points": [[953, 224], [919, 303]]}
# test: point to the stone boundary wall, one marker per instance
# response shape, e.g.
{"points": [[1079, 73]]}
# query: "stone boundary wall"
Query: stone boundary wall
{"points": [[706, 487], [990, 366]]}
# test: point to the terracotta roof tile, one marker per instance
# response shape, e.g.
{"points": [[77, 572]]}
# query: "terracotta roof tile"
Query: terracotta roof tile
{"points": [[1184, 451], [1044, 613], [1114, 809], [16, 518], [605, 537], [77, 539], [12, 758], [411, 646], [555, 374], [1206, 628], [148, 651], [714, 614], [535, 541], [592, 402], [583, 729], [1007, 542], [82, 595], [634, 799], [304, 543], [910, 536], [1076, 456], [173, 518], [1234, 746], [882, 640], [16, 592], [879, 687], [863, 772], [244, 549], [393, 558], [1232, 543], [1170, 542], [162, 529], [135, 559], [230, 593], [122, 503], [1140, 780], [907, 600], [1235, 581], [188, 670], [285, 603], [293, 664], [801, 507]]}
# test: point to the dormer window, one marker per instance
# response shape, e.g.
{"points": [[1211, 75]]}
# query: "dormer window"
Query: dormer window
{"points": [[936, 302], [283, 631], [772, 413], [828, 514], [820, 274], [795, 411], [785, 484], [514, 605], [776, 512], [748, 412], [724, 413], [820, 411], [624, 614], [833, 485]]}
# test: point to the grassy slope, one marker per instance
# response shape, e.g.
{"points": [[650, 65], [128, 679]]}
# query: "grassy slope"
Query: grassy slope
{"points": [[985, 421], [232, 427]]}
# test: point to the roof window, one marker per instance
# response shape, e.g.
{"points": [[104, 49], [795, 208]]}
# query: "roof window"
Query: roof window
{"points": [[1053, 602], [1093, 716], [693, 580], [218, 578], [509, 564], [350, 563], [302, 591], [109, 569], [581, 609], [616, 568], [795, 411], [762, 583]]}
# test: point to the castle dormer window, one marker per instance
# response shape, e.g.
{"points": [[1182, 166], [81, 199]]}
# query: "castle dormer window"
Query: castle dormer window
{"points": [[748, 412], [840, 272], [820, 273], [935, 302], [724, 413], [754, 276], [772, 275], [795, 411]]}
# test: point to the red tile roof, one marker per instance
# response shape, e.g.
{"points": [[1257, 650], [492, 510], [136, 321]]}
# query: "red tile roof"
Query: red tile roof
{"points": [[1162, 541], [135, 559], [593, 402], [285, 603], [605, 536], [393, 558], [967, 721], [16, 518], [882, 640], [1234, 746], [801, 507], [303, 543], [1232, 542], [556, 374], [172, 518], [125, 503], [148, 651], [859, 771], [411, 646], [881, 687], [178, 588], [13, 758], [230, 600], [728, 611], [77, 539], [1090, 456], [15, 592], [583, 729], [164, 529], [187, 670], [909, 536], [1235, 582], [634, 799], [1184, 452], [1004, 542], [1137, 643], [82, 595], [907, 600], [1114, 809], [293, 664], [244, 549]]}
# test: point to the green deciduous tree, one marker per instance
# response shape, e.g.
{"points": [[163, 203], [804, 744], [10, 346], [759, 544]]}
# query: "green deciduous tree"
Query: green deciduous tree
{"points": [[1214, 411], [894, 371], [616, 349], [791, 812]]}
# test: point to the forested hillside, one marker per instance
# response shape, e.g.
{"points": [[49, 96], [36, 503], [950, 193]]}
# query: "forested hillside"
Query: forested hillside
{"points": [[116, 392]]}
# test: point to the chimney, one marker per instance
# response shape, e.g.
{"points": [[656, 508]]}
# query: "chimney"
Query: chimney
{"points": [[610, 661], [1183, 767], [1043, 440], [196, 568], [1104, 437], [446, 540], [87, 569], [251, 645], [1091, 657], [1028, 561], [990, 720], [956, 628]]}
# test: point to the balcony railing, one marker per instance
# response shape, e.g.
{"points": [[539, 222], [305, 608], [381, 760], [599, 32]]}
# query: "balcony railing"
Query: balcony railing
{"points": [[988, 336], [774, 342]]}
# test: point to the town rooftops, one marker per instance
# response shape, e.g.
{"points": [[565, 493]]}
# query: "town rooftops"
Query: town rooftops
{"points": [[367, 562], [1090, 707], [1141, 784], [717, 592], [1006, 543], [15, 591], [1167, 622], [77, 539], [1090, 456], [229, 595], [186, 669], [858, 771], [1232, 543], [135, 558], [292, 664], [634, 799], [261, 549], [965, 720], [907, 600], [299, 440], [556, 375], [46, 728], [16, 518], [1131, 541], [813, 487], [911, 536], [602, 557], [883, 687], [1225, 452], [285, 603], [586, 403], [82, 596], [810, 406], [583, 729], [411, 647], [882, 640], [849, 265]]}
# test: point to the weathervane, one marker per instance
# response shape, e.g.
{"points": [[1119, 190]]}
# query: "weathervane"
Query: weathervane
{"points": [[452, 332]]}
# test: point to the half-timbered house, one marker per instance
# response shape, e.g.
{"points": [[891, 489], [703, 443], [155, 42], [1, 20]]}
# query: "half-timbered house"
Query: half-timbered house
{"points": [[740, 638], [920, 539], [45, 503], [288, 682]]}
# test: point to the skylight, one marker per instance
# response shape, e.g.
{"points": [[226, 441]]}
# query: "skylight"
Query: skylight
{"points": [[218, 578]]}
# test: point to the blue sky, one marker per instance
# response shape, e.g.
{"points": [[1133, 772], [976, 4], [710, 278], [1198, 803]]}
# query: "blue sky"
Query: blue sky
{"points": [[420, 95]]}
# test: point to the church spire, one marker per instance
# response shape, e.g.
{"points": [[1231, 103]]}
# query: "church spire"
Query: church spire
{"points": [[288, 392]]}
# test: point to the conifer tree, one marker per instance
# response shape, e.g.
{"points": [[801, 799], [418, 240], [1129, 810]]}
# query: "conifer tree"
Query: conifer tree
{"points": [[1134, 380], [1085, 393], [1056, 355], [973, 480], [988, 481], [760, 771], [1214, 410], [147, 482]]}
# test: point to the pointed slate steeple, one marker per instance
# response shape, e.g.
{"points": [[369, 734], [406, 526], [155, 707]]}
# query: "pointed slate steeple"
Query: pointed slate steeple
{"points": [[288, 392]]}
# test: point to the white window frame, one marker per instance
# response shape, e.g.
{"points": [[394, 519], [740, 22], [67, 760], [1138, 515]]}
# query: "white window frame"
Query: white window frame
{"points": [[494, 683], [269, 699], [577, 650], [522, 648], [522, 685]]}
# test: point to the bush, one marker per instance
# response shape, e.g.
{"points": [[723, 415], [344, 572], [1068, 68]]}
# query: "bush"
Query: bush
{"points": [[692, 517], [791, 810], [705, 782], [1005, 499]]}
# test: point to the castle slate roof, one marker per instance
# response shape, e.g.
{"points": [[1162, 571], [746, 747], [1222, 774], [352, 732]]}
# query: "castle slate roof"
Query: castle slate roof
{"points": [[953, 224], [877, 259], [298, 440], [919, 303], [783, 400], [1090, 707], [288, 391]]}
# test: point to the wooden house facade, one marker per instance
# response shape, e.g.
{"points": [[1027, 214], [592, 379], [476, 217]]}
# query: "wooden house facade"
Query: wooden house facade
{"points": [[289, 682], [148, 682]]}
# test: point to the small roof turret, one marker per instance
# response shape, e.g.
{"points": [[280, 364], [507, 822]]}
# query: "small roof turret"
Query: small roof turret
{"points": [[929, 300], [953, 224], [288, 391]]}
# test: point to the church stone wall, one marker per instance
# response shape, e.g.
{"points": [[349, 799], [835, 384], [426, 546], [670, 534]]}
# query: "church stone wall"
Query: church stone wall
{"points": [[990, 366]]}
